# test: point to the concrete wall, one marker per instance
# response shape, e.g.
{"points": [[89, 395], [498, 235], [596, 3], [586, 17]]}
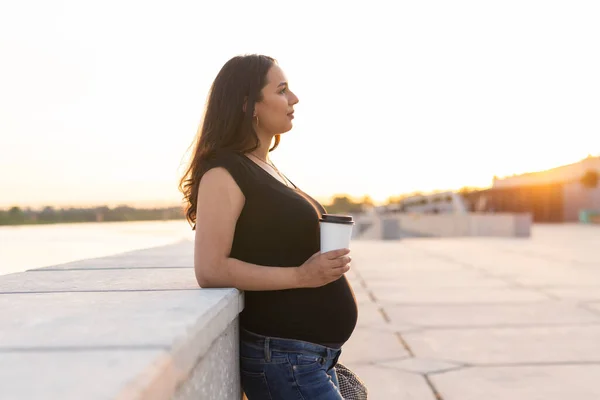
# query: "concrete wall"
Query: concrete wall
{"points": [[367, 227], [132, 326], [397, 226]]}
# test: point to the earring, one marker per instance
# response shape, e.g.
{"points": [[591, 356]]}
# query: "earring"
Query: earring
{"points": [[257, 121]]}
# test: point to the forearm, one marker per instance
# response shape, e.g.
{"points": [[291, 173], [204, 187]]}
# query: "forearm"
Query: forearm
{"points": [[246, 276]]}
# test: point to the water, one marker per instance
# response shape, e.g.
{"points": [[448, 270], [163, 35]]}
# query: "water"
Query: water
{"points": [[34, 246]]}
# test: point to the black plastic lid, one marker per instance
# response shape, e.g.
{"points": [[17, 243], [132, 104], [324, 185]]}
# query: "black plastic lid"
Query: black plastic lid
{"points": [[337, 219]]}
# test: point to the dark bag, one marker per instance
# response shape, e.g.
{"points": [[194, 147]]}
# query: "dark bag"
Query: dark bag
{"points": [[351, 387]]}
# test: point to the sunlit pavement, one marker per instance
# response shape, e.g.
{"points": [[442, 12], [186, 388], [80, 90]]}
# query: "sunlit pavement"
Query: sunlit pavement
{"points": [[479, 318]]}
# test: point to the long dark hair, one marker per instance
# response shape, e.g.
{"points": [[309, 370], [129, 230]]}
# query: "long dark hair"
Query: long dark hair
{"points": [[225, 125]]}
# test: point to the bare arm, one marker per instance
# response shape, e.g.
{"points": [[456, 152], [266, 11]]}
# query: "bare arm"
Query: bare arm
{"points": [[220, 202]]}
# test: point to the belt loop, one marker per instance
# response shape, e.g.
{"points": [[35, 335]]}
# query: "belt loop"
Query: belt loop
{"points": [[267, 350], [336, 358]]}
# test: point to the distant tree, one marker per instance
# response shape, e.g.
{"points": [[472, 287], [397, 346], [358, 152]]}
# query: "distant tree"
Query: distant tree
{"points": [[398, 198], [367, 201], [4, 217], [343, 204], [467, 190], [394, 200], [14, 211], [590, 179], [48, 214], [16, 215]]}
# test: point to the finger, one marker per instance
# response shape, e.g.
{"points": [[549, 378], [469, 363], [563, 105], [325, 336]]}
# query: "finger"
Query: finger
{"points": [[333, 254], [340, 262], [341, 270], [337, 263]]}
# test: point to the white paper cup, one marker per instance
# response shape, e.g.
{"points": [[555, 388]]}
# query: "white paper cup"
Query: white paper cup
{"points": [[336, 231]]}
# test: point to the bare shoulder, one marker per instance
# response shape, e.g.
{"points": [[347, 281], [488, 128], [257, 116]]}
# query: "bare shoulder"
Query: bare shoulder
{"points": [[219, 190], [217, 176]]}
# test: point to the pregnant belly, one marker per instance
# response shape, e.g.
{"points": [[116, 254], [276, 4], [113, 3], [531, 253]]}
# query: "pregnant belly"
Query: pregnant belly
{"points": [[322, 315]]}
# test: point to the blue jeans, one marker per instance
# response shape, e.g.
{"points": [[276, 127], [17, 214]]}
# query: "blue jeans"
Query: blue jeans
{"points": [[286, 369]]}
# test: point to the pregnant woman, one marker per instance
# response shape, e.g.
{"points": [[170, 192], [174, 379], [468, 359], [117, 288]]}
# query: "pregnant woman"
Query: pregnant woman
{"points": [[258, 232]]}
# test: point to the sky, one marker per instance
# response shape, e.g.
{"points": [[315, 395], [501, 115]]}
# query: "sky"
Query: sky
{"points": [[100, 101]]}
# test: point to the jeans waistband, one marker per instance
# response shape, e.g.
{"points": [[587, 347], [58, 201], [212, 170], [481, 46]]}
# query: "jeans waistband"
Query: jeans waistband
{"points": [[286, 345]]}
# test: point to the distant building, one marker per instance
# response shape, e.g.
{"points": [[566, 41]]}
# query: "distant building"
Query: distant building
{"points": [[554, 195], [563, 174], [434, 203]]}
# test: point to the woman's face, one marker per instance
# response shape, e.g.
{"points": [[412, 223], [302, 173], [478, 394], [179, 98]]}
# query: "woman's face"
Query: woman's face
{"points": [[276, 110]]}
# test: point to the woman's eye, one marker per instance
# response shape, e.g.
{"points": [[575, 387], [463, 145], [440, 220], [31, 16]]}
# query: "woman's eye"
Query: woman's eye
{"points": [[283, 91]]}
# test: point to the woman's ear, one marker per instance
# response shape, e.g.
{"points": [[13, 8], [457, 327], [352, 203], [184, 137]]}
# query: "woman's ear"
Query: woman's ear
{"points": [[245, 106]]}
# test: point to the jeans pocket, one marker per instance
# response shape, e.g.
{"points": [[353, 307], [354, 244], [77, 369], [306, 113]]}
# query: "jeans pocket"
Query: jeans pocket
{"points": [[255, 385], [309, 361], [309, 370]]}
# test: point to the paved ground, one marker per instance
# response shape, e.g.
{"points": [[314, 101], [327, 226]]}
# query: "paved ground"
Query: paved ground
{"points": [[472, 319]]}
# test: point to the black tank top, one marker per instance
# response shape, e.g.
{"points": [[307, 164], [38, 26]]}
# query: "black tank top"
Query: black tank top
{"points": [[279, 227]]}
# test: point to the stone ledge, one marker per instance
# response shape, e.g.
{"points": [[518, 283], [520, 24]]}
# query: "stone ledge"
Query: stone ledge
{"points": [[109, 334]]}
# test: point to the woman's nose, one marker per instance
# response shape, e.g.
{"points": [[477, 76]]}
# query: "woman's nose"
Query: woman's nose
{"points": [[294, 99]]}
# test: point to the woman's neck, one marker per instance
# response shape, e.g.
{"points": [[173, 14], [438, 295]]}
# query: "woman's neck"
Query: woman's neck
{"points": [[262, 152]]}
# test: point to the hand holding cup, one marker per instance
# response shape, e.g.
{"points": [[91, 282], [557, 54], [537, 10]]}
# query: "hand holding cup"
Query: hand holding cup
{"points": [[323, 268]]}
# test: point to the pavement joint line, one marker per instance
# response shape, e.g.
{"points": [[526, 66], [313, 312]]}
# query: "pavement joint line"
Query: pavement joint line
{"points": [[377, 363], [374, 299], [361, 280], [457, 367], [394, 330], [372, 296], [585, 306], [540, 291], [460, 304], [436, 393], [487, 274], [100, 269], [404, 344], [385, 316], [77, 349], [507, 326], [97, 291], [506, 279], [515, 285], [535, 364], [450, 259], [562, 286], [363, 283], [452, 369], [547, 258]]}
